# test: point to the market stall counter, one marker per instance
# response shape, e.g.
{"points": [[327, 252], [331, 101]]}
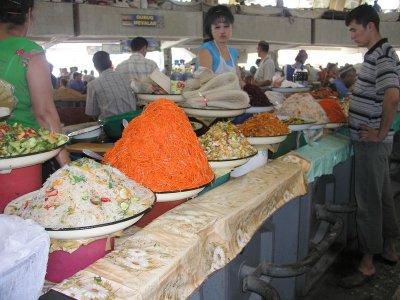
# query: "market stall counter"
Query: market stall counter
{"points": [[174, 254]]}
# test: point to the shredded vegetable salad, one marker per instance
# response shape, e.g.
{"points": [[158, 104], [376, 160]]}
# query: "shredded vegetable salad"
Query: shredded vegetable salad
{"points": [[263, 124], [224, 141], [160, 150], [84, 193], [17, 139]]}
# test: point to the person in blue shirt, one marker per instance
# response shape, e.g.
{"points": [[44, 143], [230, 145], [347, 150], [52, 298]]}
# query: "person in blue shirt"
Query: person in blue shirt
{"points": [[347, 77], [214, 53], [77, 83]]}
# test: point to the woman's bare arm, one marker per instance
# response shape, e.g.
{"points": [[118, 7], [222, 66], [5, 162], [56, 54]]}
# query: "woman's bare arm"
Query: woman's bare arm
{"points": [[41, 93]]}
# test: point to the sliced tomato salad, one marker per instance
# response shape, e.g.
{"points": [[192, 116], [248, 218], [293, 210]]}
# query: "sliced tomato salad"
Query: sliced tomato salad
{"points": [[16, 139]]}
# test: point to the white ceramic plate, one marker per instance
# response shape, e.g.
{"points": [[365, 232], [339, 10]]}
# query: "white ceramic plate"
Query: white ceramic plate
{"points": [[291, 90], [317, 126], [259, 109], [173, 196], [86, 133], [154, 97], [229, 163], [298, 127], [334, 125], [179, 195], [266, 140], [88, 231], [213, 112], [26, 160], [93, 231]]}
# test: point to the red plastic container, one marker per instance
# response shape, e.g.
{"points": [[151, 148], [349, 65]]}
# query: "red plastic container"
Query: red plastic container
{"points": [[158, 209], [19, 182], [62, 265]]}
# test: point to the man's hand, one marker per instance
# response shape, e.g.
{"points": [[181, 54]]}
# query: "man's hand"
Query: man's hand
{"points": [[369, 134]]}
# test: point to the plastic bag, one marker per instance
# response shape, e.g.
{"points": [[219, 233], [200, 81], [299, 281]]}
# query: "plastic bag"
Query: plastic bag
{"points": [[7, 99], [312, 135], [24, 251]]}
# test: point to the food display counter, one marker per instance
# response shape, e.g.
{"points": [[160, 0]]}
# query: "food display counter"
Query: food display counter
{"points": [[195, 250]]}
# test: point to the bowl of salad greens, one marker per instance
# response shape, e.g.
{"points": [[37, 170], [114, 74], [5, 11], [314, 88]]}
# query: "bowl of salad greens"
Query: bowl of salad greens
{"points": [[22, 146]]}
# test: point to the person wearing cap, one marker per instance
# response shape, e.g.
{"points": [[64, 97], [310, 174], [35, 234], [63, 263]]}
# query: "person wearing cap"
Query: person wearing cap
{"points": [[328, 74], [137, 67], [266, 69], [23, 64], [373, 106], [347, 77], [300, 59], [110, 93], [214, 53], [77, 83]]}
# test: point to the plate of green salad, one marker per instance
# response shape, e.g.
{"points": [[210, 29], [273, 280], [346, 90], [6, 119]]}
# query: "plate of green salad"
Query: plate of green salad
{"points": [[22, 146]]}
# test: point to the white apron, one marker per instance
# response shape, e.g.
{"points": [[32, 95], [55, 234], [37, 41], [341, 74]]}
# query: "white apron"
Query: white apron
{"points": [[223, 67]]}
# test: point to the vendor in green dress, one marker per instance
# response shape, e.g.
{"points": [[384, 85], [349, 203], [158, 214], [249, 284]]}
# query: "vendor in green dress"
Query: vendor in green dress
{"points": [[23, 64]]}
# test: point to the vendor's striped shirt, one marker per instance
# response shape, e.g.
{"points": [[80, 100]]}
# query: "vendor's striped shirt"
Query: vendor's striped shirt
{"points": [[379, 71]]}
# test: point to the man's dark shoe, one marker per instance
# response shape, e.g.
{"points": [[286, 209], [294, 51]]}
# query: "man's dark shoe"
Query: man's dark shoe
{"points": [[355, 280]]}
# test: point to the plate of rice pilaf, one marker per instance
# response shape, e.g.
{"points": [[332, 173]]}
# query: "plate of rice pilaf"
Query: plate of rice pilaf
{"points": [[84, 199]]}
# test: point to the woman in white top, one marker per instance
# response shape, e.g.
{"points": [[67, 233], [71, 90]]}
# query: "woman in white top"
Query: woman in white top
{"points": [[214, 53]]}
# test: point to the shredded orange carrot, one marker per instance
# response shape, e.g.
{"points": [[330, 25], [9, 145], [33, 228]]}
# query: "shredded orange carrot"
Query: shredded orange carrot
{"points": [[333, 110], [263, 124], [160, 150]]}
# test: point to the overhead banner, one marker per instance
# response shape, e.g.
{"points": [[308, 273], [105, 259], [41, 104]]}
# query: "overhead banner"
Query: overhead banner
{"points": [[140, 20]]}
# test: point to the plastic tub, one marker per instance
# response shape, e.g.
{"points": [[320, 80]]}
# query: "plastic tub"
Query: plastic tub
{"points": [[19, 182], [113, 124], [63, 264]]}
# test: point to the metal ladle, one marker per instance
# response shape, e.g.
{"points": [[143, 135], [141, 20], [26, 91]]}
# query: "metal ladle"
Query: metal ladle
{"points": [[92, 154]]}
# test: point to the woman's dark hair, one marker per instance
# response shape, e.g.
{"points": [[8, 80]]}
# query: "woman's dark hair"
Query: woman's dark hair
{"points": [[14, 11], [363, 14], [101, 60], [213, 14]]}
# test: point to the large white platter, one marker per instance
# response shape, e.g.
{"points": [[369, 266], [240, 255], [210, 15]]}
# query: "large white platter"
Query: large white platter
{"points": [[229, 163], [317, 126], [154, 97], [266, 140], [26, 160], [88, 231], [298, 127], [259, 109], [291, 90], [213, 112], [334, 125], [173, 196], [179, 195], [86, 133]]}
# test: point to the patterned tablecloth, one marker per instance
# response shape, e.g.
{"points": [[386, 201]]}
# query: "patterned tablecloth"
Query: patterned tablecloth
{"points": [[174, 254]]}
